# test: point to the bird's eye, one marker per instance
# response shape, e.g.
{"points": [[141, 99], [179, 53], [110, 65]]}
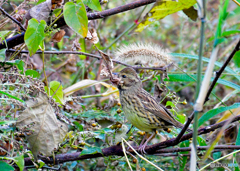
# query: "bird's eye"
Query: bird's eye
{"points": [[124, 76]]}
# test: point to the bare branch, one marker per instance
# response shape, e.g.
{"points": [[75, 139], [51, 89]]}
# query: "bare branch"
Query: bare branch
{"points": [[120, 9], [93, 56], [13, 19]]}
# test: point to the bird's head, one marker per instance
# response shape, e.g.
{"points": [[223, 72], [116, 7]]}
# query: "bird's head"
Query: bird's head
{"points": [[128, 79]]}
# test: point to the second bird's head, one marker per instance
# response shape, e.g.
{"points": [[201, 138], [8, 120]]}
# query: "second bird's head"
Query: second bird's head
{"points": [[128, 79]]}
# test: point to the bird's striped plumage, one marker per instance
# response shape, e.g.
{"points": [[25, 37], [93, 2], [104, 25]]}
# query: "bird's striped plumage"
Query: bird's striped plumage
{"points": [[140, 107]]}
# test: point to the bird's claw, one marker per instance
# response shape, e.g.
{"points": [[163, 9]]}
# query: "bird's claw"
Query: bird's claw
{"points": [[141, 149]]}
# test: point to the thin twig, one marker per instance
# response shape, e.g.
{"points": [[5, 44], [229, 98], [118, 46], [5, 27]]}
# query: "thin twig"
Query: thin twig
{"points": [[236, 2], [13, 19], [140, 156], [225, 156], [217, 147], [124, 152]]}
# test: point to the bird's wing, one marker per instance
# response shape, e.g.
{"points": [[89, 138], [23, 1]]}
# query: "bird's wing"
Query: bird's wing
{"points": [[151, 105]]}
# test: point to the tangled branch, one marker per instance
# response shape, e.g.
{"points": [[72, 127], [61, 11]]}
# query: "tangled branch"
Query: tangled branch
{"points": [[19, 38]]}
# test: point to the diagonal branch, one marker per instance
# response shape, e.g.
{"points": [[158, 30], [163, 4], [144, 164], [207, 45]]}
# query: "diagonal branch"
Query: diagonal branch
{"points": [[13, 19], [220, 71], [218, 74]]}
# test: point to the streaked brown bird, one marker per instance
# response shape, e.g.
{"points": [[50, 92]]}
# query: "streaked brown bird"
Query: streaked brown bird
{"points": [[141, 108]]}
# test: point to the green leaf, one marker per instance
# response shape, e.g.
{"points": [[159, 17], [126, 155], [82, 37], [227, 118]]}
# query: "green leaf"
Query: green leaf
{"points": [[228, 69], [6, 122], [163, 8], [56, 90], [32, 73], [91, 150], [19, 160], [228, 33], [20, 65], [57, 12], [211, 113], [93, 4], [40, 1], [236, 59], [235, 165], [11, 96], [183, 159], [92, 114], [171, 104], [180, 118], [34, 35], [238, 137], [222, 17], [217, 155], [6, 167], [201, 141], [100, 134], [78, 125], [41, 164], [192, 78], [2, 54], [75, 16]]}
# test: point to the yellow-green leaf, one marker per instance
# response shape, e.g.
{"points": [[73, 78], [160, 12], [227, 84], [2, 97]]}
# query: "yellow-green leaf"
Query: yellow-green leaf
{"points": [[75, 16], [34, 35], [56, 90], [162, 9]]}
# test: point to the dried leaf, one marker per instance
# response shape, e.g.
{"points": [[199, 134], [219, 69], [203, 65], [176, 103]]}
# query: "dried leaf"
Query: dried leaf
{"points": [[76, 45], [87, 83], [46, 130], [230, 134], [57, 3], [71, 69], [107, 59], [110, 89], [228, 114], [79, 85], [57, 37], [104, 71], [92, 36], [40, 12], [192, 13], [109, 66], [157, 91]]}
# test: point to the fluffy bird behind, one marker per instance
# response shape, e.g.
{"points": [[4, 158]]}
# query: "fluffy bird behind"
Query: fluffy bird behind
{"points": [[144, 53]]}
